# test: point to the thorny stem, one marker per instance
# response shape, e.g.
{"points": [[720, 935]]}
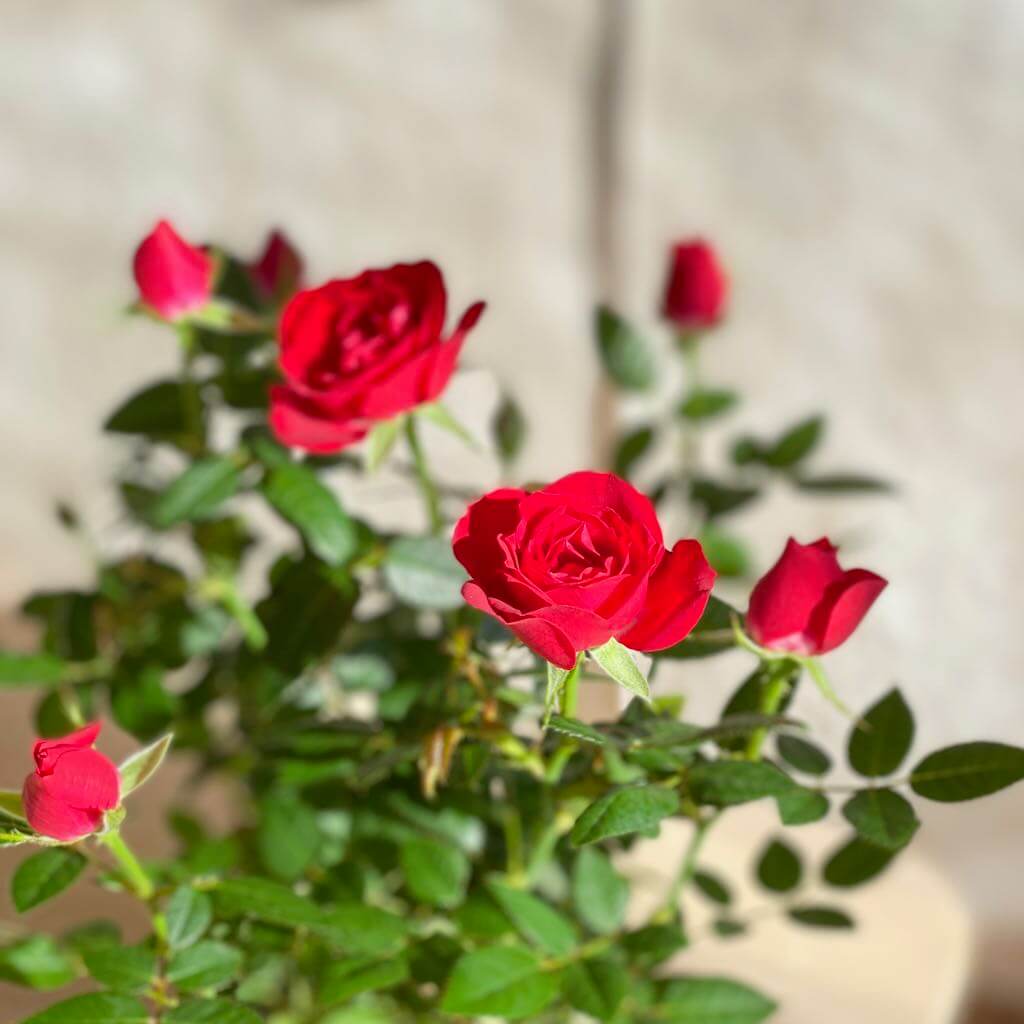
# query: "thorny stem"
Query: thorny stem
{"points": [[431, 497]]}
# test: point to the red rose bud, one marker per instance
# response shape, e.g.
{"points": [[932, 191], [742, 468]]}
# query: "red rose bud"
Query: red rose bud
{"points": [[697, 288], [278, 271], [806, 603], [364, 349], [578, 562], [174, 278], [72, 786]]}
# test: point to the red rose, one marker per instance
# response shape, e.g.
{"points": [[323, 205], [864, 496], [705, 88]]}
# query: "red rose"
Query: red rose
{"points": [[578, 562], [278, 271], [806, 603], [174, 278], [361, 350], [697, 287], [72, 786]]}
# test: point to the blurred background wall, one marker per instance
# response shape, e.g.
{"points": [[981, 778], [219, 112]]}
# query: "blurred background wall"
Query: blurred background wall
{"points": [[859, 166]]}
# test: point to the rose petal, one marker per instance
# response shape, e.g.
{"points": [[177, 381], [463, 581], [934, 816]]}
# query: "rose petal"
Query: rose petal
{"points": [[840, 611], [605, 490], [677, 594], [84, 778], [300, 423], [52, 817], [173, 277], [475, 538]]}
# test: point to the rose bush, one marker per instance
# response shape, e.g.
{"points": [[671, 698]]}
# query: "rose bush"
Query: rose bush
{"points": [[415, 823], [361, 350]]}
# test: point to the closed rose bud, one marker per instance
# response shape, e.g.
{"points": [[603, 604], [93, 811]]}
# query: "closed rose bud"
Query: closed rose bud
{"points": [[807, 603], [697, 287], [278, 271], [72, 786], [361, 350], [174, 278], [581, 561]]}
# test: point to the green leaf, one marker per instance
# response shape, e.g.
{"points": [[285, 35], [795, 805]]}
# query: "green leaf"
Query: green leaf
{"points": [[712, 634], [380, 441], [882, 740], [538, 923], [267, 900], [577, 730], [803, 755], [289, 836], [624, 811], [313, 509], [95, 1008], [624, 353], [211, 1011], [599, 892], [779, 868], [596, 987], [724, 783], [967, 771], [882, 817], [618, 662], [712, 1001], [855, 863], [436, 873], [654, 944], [138, 767], [727, 554], [509, 429], [712, 887], [796, 443], [31, 669], [706, 404], [630, 449], [121, 967], [719, 499], [188, 914], [843, 483], [196, 493], [345, 979], [423, 572], [821, 917], [441, 416], [362, 930], [799, 806], [158, 410], [43, 875], [38, 962], [206, 965], [500, 981]]}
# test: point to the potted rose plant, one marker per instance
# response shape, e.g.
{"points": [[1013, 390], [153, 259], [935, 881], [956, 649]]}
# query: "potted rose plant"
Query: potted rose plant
{"points": [[428, 829]]}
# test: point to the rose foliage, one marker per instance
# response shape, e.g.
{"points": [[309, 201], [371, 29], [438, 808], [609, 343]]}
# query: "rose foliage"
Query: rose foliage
{"points": [[387, 804]]}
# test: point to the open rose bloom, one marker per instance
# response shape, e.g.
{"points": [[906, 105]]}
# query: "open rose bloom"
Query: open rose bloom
{"points": [[581, 561], [361, 350], [807, 603], [73, 785]]}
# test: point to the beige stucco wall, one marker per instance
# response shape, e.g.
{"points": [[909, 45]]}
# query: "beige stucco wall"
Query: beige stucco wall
{"points": [[859, 165]]}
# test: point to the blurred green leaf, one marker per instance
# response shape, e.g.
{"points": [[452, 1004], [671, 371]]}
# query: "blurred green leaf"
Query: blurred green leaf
{"points": [[128, 968], [539, 924], [821, 917], [624, 353], [799, 806], [187, 916], [435, 872], [43, 875], [596, 987], [855, 863], [712, 1001], [967, 771], [509, 429], [882, 740], [624, 811], [843, 483], [712, 887], [779, 868], [312, 508], [630, 449], [802, 754], [423, 572], [599, 892], [94, 1008], [500, 981], [199, 491], [796, 443], [882, 817], [619, 663], [719, 499], [724, 783], [706, 404]]}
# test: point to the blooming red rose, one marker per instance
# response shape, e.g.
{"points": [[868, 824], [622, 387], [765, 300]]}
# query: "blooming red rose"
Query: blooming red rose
{"points": [[72, 786], [174, 278], [697, 288], [278, 271], [806, 603], [578, 562], [361, 350]]}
